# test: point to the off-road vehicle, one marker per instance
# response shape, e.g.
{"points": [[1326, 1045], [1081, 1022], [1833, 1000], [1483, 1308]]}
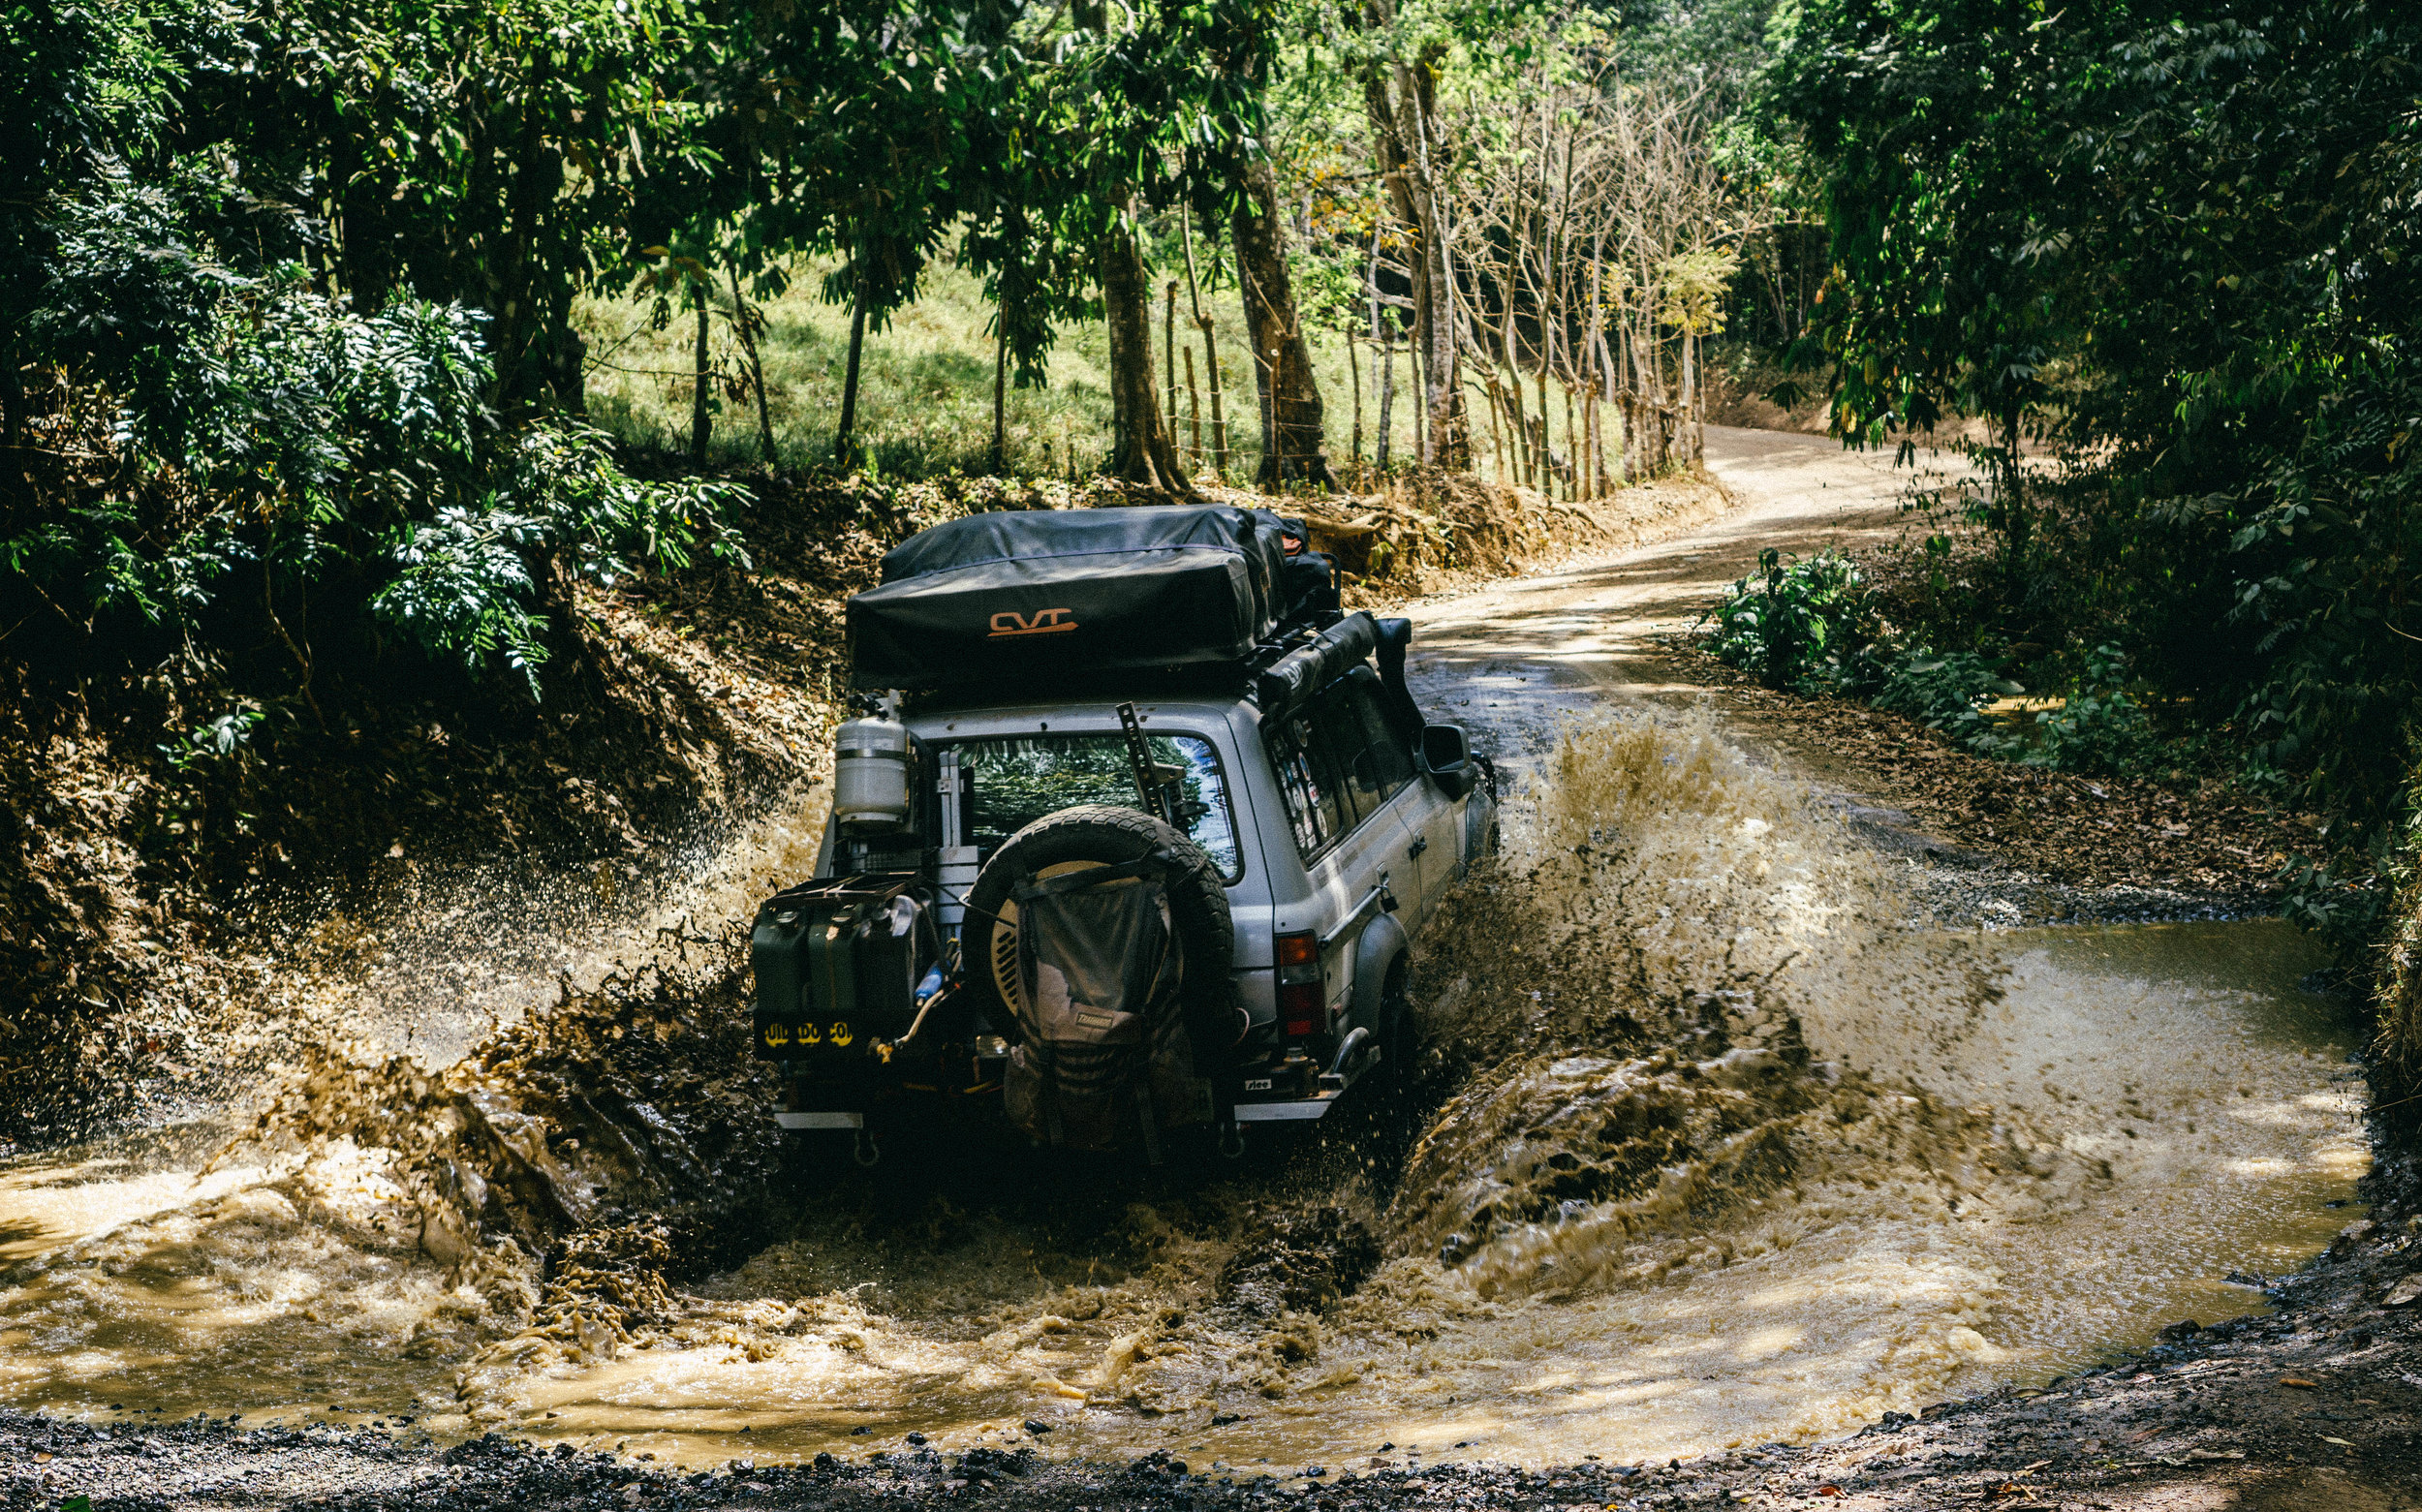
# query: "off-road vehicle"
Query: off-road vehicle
{"points": [[1131, 836]]}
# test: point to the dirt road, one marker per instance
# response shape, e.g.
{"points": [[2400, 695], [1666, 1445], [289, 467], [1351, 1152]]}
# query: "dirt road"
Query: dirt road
{"points": [[1509, 658]]}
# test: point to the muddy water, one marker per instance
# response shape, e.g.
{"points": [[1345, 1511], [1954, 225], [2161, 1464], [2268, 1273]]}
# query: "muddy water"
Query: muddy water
{"points": [[1723, 1146]]}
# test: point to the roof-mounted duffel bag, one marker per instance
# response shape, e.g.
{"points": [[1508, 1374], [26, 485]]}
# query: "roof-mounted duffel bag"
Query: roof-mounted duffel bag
{"points": [[1020, 596]]}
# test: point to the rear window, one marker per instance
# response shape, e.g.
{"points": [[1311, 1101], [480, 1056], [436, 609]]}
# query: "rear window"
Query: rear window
{"points": [[1016, 780]]}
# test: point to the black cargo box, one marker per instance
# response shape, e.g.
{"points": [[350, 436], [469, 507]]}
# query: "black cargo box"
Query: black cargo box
{"points": [[1037, 594]]}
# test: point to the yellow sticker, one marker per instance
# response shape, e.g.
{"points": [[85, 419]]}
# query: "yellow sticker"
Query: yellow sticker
{"points": [[810, 1034], [777, 1034], [841, 1034]]}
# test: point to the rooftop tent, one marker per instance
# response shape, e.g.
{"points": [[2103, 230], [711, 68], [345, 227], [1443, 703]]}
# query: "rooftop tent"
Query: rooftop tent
{"points": [[1021, 595]]}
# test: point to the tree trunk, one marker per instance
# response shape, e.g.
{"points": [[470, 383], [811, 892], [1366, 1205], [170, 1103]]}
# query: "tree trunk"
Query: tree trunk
{"points": [[1293, 444], [1387, 397], [1219, 417], [11, 405], [1194, 408], [1168, 347], [1210, 349], [701, 420], [1400, 98], [744, 319], [1354, 376], [844, 439], [1547, 462], [1575, 452], [1140, 454], [1001, 393], [1694, 446], [1497, 432], [2017, 523], [1509, 353]]}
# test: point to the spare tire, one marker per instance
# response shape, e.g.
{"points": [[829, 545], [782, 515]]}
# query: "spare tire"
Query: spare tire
{"points": [[1104, 834]]}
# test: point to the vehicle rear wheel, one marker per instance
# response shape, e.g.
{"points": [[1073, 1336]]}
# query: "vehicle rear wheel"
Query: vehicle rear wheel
{"points": [[1101, 834]]}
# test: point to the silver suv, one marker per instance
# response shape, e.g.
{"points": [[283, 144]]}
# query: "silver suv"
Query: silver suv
{"points": [[1288, 798]]}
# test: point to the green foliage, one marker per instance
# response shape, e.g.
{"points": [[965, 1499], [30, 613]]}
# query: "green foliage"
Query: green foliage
{"points": [[1933, 124], [1810, 624], [2346, 906], [2177, 245], [1947, 692], [490, 156], [1796, 625], [606, 521], [2101, 728], [311, 445], [461, 588]]}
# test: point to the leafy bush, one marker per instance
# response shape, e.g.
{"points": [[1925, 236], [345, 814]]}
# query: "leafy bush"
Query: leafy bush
{"points": [[1810, 626], [2101, 730], [1948, 693], [462, 588], [463, 585], [313, 450], [1798, 626], [607, 520]]}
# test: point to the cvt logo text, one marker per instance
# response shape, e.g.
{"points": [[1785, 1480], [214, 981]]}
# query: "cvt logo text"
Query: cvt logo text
{"points": [[1046, 622]]}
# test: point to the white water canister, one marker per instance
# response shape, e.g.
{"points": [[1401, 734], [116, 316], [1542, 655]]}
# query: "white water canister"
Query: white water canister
{"points": [[870, 774]]}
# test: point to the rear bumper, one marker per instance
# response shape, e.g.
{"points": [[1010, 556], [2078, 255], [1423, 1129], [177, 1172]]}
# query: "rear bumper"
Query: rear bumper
{"points": [[1294, 1110], [1308, 1107]]}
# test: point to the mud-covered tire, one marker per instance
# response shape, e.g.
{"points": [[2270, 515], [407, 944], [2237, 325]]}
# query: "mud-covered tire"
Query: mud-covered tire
{"points": [[1107, 835]]}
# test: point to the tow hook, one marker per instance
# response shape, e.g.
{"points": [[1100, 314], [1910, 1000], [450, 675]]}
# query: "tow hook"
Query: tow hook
{"points": [[1231, 1142], [1354, 1041], [866, 1153]]}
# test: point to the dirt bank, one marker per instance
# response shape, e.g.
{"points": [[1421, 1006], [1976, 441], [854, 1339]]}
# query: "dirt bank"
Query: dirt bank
{"points": [[2060, 844]]}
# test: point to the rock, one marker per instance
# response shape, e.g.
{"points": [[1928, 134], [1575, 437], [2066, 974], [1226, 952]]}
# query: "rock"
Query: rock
{"points": [[1033, 1427], [2184, 1328], [2353, 1235], [2404, 1292]]}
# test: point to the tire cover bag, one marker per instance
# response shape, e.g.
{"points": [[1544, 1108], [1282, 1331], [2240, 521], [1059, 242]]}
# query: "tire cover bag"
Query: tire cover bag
{"points": [[1103, 1047], [1109, 835]]}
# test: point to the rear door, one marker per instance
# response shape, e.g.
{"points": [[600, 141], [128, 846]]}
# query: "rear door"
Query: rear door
{"points": [[1381, 771], [1345, 827]]}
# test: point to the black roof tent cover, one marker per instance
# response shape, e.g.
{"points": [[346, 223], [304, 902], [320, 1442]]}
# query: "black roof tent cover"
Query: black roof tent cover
{"points": [[1021, 595]]}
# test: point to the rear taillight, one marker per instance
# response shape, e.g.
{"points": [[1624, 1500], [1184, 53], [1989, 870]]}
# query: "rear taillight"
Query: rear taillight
{"points": [[1302, 995]]}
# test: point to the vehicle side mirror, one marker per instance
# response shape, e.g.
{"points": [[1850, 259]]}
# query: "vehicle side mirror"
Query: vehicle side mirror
{"points": [[1446, 756]]}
